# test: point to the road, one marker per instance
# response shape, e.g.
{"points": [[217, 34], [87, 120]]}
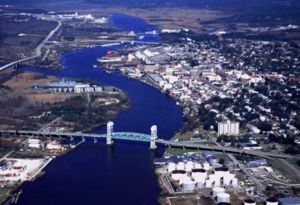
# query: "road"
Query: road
{"points": [[5, 156], [10, 152], [225, 149], [44, 128], [291, 167], [38, 49]]}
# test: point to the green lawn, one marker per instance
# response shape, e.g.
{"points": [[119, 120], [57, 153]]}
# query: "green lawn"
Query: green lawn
{"points": [[177, 151]]}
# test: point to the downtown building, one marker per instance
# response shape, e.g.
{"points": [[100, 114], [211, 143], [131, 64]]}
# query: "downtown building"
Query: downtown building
{"points": [[228, 128]]}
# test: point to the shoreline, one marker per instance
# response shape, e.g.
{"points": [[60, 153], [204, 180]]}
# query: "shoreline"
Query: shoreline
{"points": [[14, 194]]}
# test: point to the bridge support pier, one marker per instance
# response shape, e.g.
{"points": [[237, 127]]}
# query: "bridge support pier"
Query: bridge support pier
{"points": [[110, 128], [95, 140], [153, 137]]}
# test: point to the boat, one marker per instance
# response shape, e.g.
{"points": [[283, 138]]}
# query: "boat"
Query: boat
{"points": [[110, 59]]}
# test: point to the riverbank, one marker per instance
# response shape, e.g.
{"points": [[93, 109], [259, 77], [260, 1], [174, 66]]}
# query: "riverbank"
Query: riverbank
{"points": [[23, 169]]}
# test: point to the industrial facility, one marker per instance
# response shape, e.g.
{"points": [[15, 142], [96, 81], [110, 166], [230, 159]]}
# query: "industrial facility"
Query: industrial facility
{"points": [[193, 173], [70, 87], [205, 173]]}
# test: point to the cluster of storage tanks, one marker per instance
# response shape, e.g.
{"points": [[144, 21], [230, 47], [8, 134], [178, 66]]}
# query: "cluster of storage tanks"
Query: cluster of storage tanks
{"points": [[193, 175]]}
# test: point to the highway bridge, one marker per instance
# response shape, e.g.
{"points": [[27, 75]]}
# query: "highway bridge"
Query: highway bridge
{"points": [[38, 50], [151, 138], [16, 63]]}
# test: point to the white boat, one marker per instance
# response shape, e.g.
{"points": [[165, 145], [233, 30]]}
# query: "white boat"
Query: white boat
{"points": [[110, 44]]}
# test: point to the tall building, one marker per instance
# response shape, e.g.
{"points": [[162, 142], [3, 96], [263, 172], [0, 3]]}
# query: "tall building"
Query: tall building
{"points": [[228, 128]]}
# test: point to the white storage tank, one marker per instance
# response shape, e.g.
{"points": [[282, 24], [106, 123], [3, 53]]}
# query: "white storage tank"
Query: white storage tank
{"points": [[227, 179], [177, 174], [234, 182], [183, 179], [200, 185], [217, 182], [171, 166], [205, 166], [217, 190], [221, 171], [197, 165], [189, 166], [180, 166], [249, 202], [199, 175], [223, 197], [272, 201], [187, 184], [208, 183]]}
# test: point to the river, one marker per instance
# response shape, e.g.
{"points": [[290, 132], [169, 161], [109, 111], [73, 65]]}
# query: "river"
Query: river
{"points": [[95, 173]]}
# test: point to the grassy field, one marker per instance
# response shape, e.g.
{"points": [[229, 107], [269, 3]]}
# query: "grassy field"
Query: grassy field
{"points": [[177, 151], [284, 170]]}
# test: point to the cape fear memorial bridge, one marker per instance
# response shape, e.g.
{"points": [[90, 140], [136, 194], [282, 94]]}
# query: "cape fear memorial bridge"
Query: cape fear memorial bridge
{"points": [[151, 138]]}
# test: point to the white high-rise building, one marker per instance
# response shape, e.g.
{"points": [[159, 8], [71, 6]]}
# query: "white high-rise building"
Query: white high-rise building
{"points": [[228, 128]]}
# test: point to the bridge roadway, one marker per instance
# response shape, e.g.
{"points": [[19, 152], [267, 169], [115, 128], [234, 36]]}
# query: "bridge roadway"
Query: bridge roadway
{"points": [[133, 136]]}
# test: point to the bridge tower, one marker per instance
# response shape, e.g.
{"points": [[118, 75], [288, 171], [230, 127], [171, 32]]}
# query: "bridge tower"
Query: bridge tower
{"points": [[110, 128], [153, 137]]}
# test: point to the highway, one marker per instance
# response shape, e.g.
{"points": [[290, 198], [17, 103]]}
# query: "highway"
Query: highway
{"points": [[224, 149], [291, 167], [38, 49]]}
